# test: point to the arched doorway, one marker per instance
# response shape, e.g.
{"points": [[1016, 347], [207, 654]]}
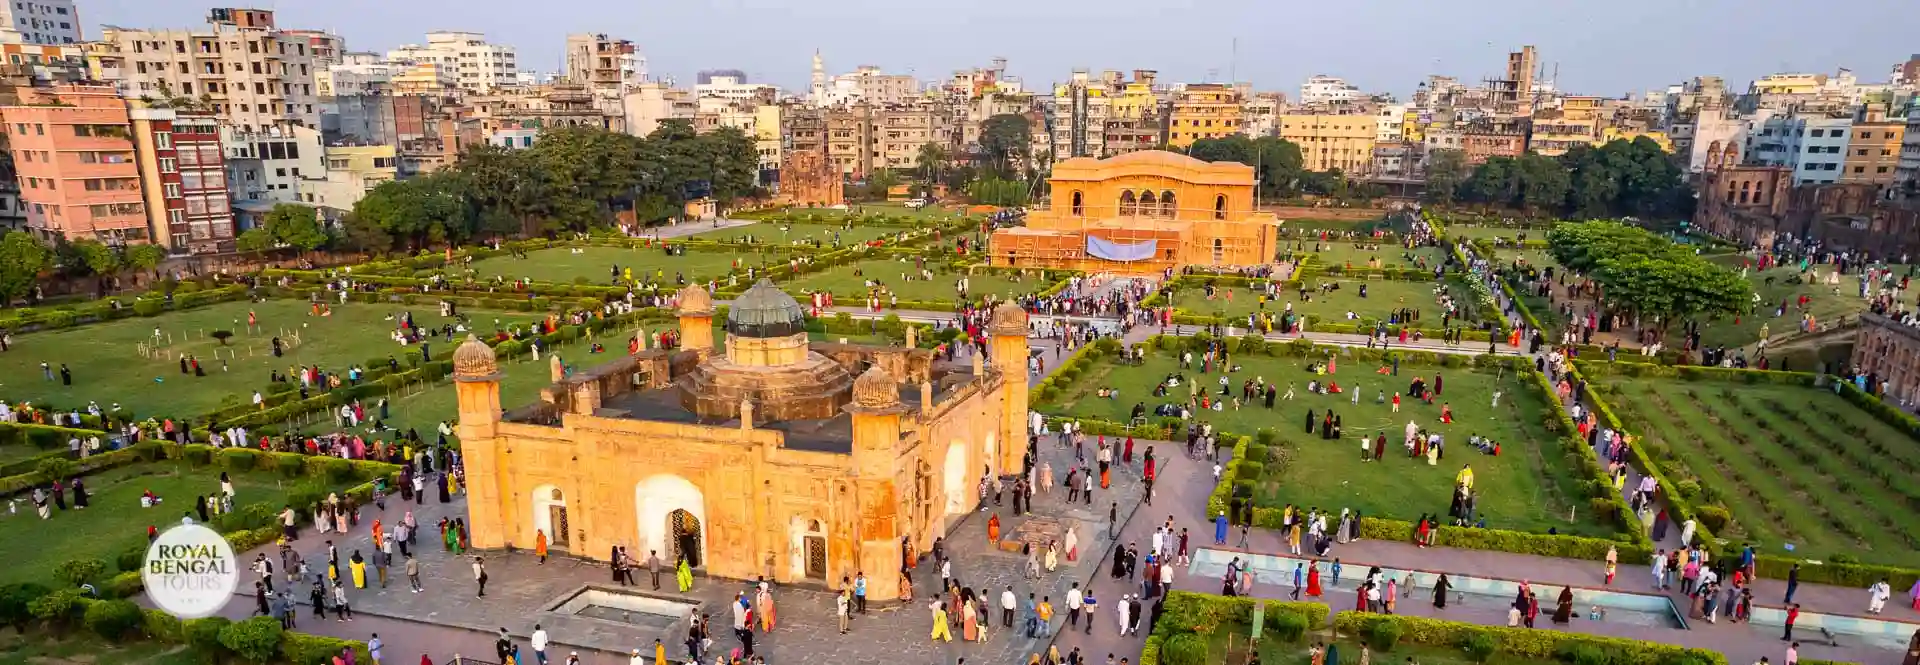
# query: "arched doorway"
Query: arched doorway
{"points": [[812, 541], [956, 479], [671, 518], [550, 515]]}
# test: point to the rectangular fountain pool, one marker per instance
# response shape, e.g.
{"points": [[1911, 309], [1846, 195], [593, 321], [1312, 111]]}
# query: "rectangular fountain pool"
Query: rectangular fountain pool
{"points": [[1468, 591], [1848, 631], [627, 608]]}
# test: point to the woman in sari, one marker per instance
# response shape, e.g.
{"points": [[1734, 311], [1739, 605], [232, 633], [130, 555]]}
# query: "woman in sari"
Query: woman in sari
{"points": [[1313, 580], [993, 529], [448, 537], [1073, 545], [763, 607], [683, 574], [969, 623], [540, 545], [1053, 556]]}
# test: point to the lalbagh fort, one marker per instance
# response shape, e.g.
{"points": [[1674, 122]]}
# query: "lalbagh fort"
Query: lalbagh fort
{"points": [[446, 361]]}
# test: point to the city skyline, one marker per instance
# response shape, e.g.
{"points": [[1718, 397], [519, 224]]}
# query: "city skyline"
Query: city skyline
{"points": [[1737, 41]]}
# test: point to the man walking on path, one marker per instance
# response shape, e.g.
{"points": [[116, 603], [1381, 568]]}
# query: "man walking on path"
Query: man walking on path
{"points": [[539, 644], [413, 573], [480, 576], [653, 567], [1793, 614]]}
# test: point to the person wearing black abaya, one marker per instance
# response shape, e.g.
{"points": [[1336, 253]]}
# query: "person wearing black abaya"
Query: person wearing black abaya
{"points": [[1309, 421], [444, 496]]}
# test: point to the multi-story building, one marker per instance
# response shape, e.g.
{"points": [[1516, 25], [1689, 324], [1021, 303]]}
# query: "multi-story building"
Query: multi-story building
{"points": [[425, 78], [475, 65], [722, 89], [865, 84], [1323, 89], [1873, 146], [351, 171], [608, 67], [1576, 121], [1260, 114], [1329, 141], [356, 74], [849, 138], [74, 152], [39, 22], [1741, 202], [1515, 92], [768, 128], [648, 104], [1813, 146], [183, 178], [328, 48], [1390, 123], [1713, 122], [1488, 138], [900, 130], [252, 74], [1907, 172], [1203, 111], [265, 167]]}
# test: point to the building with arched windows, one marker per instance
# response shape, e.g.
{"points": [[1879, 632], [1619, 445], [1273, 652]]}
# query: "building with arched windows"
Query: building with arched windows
{"points": [[1143, 212], [767, 455]]}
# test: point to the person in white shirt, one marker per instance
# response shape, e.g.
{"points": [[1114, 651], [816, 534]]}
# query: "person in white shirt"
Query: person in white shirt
{"points": [[1073, 605], [540, 644], [1120, 612], [1878, 595], [1008, 603]]}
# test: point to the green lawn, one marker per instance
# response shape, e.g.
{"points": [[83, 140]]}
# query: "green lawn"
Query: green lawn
{"points": [[1387, 253], [108, 368], [83, 649], [1824, 302], [1528, 487], [1383, 296], [1793, 465], [823, 235], [595, 265], [902, 278], [114, 521]]}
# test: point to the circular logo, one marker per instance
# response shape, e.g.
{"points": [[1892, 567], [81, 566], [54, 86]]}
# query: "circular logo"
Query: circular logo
{"points": [[190, 571]]}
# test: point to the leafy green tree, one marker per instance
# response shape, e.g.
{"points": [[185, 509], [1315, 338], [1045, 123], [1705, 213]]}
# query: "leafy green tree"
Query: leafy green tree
{"points": [[1446, 171], [22, 257], [254, 241], [98, 257], [144, 257], [1005, 144], [1645, 274], [1277, 163], [295, 226], [1542, 183], [998, 192]]}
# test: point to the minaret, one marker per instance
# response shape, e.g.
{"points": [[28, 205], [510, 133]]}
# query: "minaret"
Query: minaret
{"points": [[876, 411], [1009, 330], [819, 79], [476, 377]]}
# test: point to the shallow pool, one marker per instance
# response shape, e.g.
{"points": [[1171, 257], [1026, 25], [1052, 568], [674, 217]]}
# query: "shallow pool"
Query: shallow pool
{"points": [[1467, 591]]}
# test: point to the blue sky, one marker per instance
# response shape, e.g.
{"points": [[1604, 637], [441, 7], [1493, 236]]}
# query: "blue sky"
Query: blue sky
{"points": [[1606, 48]]}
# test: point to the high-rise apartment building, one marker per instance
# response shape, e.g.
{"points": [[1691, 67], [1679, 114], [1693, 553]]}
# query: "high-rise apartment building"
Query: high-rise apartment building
{"points": [[74, 153], [249, 72], [40, 22], [1203, 111], [474, 64], [183, 178]]}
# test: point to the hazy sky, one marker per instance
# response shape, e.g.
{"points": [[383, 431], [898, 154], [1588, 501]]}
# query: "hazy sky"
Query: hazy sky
{"points": [[1605, 47]]}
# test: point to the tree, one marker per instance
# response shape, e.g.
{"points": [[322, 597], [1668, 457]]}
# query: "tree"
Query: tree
{"points": [[296, 226], [931, 162], [1542, 183], [22, 257], [1446, 170], [254, 241], [98, 258], [144, 257], [1277, 163], [1645, 274], [256, 639], [1005, 144]]}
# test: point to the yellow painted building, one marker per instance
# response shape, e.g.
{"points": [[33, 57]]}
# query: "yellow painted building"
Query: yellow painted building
{"points": [[763, 456], [352, 171], [1788, 84], [1411, 131], [1610, 134], [1203, 111], [1556, 130], [1143, 212], [1329, 141]]}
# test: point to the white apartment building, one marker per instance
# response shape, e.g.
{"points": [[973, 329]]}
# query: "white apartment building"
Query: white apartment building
{"points": [[358, 74], [256, 75], [725, 90], [647, 104], [39, 22], [1260, 115], [267, 166], [1908, 171], [1323, 89], [1389, 122], [1814, 145], [474, 64]]}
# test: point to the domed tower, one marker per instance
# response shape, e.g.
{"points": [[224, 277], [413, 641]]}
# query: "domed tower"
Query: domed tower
{"points": [[876, 411], [767, 362], [1008, 328], [476, 380], [696, 318]]}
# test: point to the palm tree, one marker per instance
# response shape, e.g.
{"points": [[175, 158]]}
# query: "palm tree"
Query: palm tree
{"points": [[931, 161]]}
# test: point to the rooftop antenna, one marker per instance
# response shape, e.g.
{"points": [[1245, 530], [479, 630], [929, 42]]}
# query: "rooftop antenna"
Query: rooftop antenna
{"points": [[1233, 62]]}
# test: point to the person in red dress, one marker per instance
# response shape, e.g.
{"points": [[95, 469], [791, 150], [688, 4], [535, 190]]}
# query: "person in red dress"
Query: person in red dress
{"points": [[1313, 580]]}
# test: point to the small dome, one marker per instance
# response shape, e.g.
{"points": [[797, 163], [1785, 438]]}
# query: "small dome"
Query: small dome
{"points": [[875, 389], [1008, 319], [694, 301], [474, 360], [764, 312]]}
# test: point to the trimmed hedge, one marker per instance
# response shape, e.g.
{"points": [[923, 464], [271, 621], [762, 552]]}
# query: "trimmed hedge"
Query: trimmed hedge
{"points": [[1188, 613], [1524, 643]]}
